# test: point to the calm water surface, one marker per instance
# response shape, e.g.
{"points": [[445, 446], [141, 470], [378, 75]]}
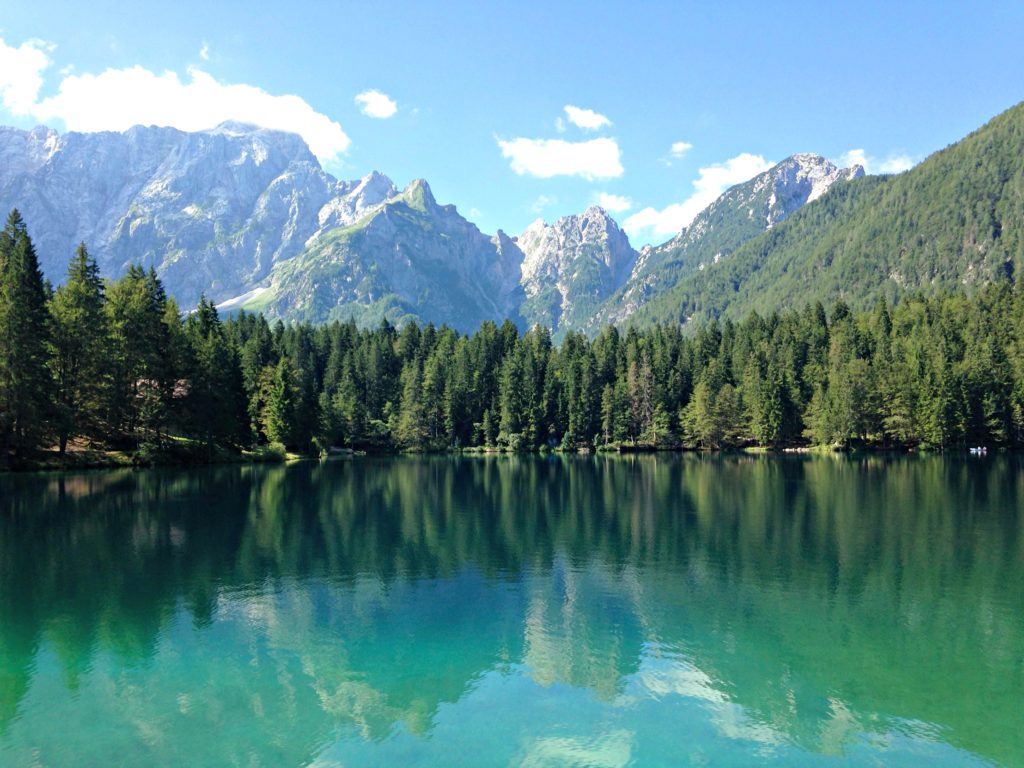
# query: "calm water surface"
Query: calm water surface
{"points": [[654, 611]]}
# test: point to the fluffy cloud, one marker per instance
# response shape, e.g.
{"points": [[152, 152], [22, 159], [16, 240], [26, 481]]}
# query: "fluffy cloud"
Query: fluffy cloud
{"points": [[117, 99], [21, 74], [679, 148], [894, 163], [613, 203], [544, 158], [711, 182], [373, 103], [587, 119]]}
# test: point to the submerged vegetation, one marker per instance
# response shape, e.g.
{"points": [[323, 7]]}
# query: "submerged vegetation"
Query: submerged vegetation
{"points": [[115, 366]]}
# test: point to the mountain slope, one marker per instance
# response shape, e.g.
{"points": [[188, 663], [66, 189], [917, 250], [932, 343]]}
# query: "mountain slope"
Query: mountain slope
{"points": [[742, 213], [955, 220], [571, 266], [213, 210], [409, 259]]}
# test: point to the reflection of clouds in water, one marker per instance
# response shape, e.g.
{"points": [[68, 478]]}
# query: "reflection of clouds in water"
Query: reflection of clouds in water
{"points": [[613, 750], [356, 702], [839, 729], [579, 627], [661, 676], [683, 606]]}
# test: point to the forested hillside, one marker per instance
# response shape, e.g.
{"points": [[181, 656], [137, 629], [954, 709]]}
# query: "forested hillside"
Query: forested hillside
{"points": [[742, 213], [115, 365], [953, 222]]}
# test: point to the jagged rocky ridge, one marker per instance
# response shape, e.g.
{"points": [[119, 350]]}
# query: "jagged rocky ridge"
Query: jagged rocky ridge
{"points": [[213, 210], [742, 213], [571, 266], [248, 217], [409, 258]]}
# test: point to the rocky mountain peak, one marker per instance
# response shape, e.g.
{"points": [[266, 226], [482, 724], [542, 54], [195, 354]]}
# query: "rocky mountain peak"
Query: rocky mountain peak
{"points": [[236, 128], [373, 189], [803, 178], [769, 197], [740, 214], [238, 208], [570, 266], [353, 200], [419, 195], [212, 210]]}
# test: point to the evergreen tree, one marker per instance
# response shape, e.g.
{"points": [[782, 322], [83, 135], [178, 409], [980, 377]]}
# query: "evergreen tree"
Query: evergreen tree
{"points": [[80, 342], [139, 357], [117, 363], [26, 384], [216, 399], [608, 413], [279, 411], [411, 429]]}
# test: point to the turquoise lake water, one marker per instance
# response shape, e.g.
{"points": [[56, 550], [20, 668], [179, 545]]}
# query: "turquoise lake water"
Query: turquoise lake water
{"points": [[503, 611]]}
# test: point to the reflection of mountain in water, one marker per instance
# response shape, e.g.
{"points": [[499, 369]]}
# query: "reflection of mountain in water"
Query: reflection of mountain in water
{"points": [[801, 602]]}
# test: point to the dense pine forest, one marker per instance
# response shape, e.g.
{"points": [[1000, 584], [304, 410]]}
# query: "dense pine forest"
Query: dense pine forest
{"points": [[115, 365]]}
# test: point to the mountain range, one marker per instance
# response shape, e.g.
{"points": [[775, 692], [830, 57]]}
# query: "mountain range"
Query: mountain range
{"points": [[247, 217]]}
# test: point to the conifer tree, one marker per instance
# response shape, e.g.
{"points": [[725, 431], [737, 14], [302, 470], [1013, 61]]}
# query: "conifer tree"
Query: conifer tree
{"points": [[412, 428], [279, 411], [216, 400], [26, 384], [80, 342]]}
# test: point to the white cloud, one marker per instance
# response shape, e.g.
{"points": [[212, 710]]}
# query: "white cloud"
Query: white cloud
{"points": [[896, 164], [614, 203], [204, 52], [853, 157], [542, 202], [373, 103], [560, 125], [680, 148], [544, 158], [711, 182], [893, 163], [117, 99], [21, 74], [587, 119]]}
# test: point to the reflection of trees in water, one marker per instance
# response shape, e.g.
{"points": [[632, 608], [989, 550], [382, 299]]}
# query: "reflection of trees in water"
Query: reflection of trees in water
{"points": [[886, 581], [897, 584]]}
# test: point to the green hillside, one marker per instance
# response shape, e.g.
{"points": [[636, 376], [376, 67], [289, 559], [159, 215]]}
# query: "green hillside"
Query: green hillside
{"points": [[953, 221]]}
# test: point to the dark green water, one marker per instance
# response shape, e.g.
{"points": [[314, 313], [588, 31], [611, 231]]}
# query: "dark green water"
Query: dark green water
{"points": [[500, 612]]}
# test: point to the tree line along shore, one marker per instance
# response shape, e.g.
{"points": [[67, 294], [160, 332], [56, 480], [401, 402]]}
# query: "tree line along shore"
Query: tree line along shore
{"points": [[112, 371]]}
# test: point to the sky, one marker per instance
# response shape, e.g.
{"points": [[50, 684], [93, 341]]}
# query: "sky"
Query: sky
{"points": [[519, 111]]}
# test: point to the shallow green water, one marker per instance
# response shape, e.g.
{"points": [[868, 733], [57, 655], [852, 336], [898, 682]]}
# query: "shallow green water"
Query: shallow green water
{"points": [[502, 611]]}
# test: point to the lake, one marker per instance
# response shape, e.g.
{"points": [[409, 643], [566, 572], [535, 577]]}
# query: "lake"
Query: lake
{"points": [[656, 610]]}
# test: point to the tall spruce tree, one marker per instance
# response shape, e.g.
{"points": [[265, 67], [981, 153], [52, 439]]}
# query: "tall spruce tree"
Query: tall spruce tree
{"points": [[80, 346], [138, 356], [26, 384], [279, 411], [216, 399]]}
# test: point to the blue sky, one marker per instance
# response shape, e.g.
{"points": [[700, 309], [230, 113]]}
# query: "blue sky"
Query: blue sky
{"points": [[474, 96]]}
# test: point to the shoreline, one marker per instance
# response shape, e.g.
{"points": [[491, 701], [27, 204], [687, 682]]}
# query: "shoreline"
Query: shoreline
{"points": [[75, 461]]}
